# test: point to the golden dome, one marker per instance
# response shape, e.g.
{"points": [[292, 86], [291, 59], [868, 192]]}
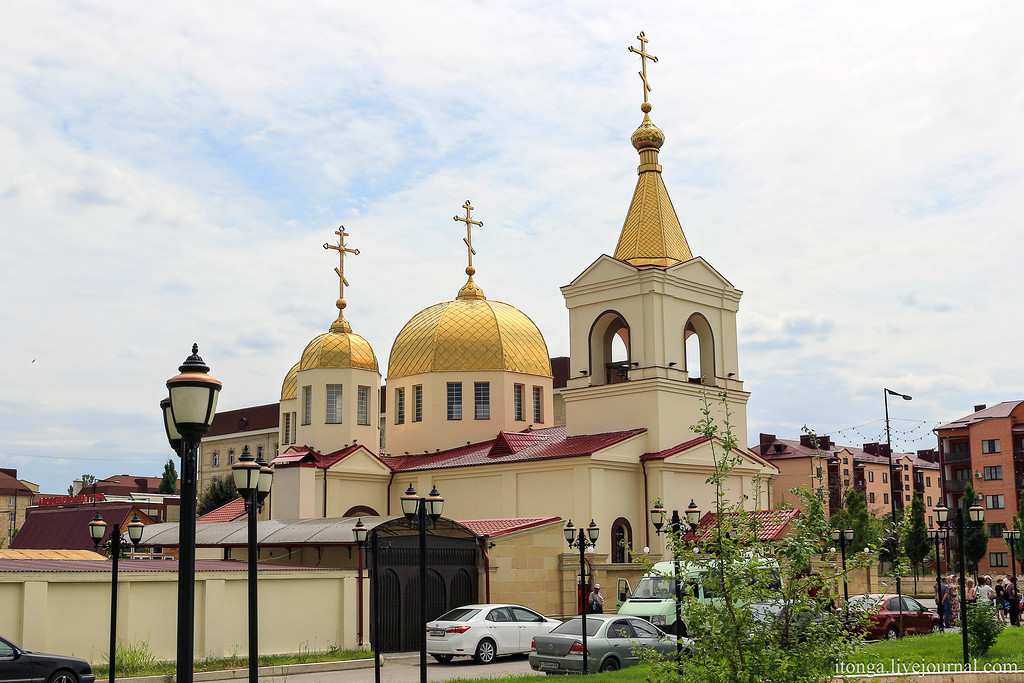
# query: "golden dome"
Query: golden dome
{"points": [[648, 134], [290, 387], [338, 349], [470, 333]]}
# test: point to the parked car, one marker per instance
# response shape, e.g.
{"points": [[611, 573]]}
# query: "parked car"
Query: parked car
{"points": [[612, 643], [485, 632], [32, 667], [883, 611]]}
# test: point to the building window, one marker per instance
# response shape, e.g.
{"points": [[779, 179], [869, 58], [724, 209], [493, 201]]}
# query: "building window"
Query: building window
{"points": [[287, 428], [961, 447], [307, 405], [333, 404], [482, 400], [871, 475], [231, 456], [846, 482], [906, 477], [962, 474], [990, 446], [363, 405], [885, 498], [928, 482], [846, 460], [259, 451], [871, 497], [930, 525], [998, 560], [454, 400], [929, 501], [417, 403], [819, 473], [994, 502], [906, 487], [538, 406], [622, 538], [885, 477], [996, 530], [517, 402], [399, 406], [216, 459], [846, 472], [993, 472]]}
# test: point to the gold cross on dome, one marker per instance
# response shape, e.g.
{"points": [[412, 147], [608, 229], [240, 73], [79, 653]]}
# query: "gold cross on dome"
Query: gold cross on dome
{"points": [[644, 56], [342, 250], [468, 239]]}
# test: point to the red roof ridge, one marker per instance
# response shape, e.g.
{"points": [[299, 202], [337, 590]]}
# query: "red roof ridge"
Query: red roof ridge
{"points": [[228, 512], [489, 528]]}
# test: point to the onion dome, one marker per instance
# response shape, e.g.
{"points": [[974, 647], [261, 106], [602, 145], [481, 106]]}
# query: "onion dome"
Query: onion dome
{"points": [[290, 386], [339, 348]]}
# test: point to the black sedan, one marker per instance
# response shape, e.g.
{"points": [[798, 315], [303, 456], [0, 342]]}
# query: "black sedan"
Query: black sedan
{"points": [[22, 666]]}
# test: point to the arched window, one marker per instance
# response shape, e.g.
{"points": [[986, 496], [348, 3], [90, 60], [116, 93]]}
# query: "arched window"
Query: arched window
{"points": [[609, 349], [699, 350], [361, 511], [622, 540]]}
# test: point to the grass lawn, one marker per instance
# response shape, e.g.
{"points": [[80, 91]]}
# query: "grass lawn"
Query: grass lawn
{"points": [[942, 648], [129, 666]]}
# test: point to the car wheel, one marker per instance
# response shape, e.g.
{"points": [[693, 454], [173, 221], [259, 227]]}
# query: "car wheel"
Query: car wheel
{"points": [[610, 664], [443, 659], [485, 651], [62, 676], [935, 627], [891, 633]]}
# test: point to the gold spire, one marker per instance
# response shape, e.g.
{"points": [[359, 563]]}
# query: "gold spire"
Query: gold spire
{"points": [[470, 290], [341, 325], [651, 234]]}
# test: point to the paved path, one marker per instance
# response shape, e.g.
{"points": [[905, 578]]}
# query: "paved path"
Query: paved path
{"points": [[405, 668]]}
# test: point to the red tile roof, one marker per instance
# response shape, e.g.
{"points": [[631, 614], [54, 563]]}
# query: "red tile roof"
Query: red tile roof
{"points": [[554, 444], [1003, 409], [685, 446], [770, 524], [228, 512], [10, 486], [68, 528], [250, 419], [497, 527], [299, 454]]}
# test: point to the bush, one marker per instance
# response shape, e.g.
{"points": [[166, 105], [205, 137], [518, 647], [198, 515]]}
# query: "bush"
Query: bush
{"points": [[982, 628]]}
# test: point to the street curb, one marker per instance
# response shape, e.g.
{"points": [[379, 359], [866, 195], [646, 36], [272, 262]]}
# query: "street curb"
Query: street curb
{"points": [[279, 671]]}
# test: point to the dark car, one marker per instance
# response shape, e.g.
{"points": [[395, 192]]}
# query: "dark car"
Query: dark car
{"points": [[884, 612], [23, 666]]}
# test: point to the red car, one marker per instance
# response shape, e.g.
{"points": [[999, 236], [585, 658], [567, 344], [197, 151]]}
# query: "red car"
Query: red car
{"points": [[883, 610]]}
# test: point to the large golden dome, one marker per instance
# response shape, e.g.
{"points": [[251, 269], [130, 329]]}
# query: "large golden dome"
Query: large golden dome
{"points": [[290, 386], [337, 349], [470, 333]]}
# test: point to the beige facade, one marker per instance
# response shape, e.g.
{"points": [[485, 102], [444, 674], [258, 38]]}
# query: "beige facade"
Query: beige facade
{"points": [[218, 453], [354, 421]]}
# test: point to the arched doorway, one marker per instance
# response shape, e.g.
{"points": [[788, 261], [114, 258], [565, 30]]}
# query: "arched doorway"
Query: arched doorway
{"points": [[699, 350], [609, 349], [622, 540]]}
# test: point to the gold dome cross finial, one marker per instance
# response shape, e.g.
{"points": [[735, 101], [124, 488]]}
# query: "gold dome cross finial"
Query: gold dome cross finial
{"points": [[468, 239], [644, 56], [340, 270]]}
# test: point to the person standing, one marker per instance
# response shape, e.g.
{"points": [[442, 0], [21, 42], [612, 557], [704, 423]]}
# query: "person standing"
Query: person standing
{"points": [[943, 602], [1000, 600], [985, 590], [595, 602], [1012, 601]]}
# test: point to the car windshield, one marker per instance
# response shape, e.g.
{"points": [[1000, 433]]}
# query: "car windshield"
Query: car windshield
{"points": [[459, 614], [655, 587], [573, 628]]}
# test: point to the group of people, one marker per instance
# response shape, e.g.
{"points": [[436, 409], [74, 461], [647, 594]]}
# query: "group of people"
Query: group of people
{"points": [[1003, 596]]}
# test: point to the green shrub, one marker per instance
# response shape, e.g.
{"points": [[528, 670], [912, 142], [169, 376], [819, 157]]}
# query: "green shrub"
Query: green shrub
{"points": [[982, 628]]}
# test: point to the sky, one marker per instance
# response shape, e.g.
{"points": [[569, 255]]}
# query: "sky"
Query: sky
{"points": [[168, 175]]}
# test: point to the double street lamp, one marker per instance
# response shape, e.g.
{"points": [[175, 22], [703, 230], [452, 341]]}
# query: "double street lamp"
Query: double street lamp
{"points": [[582, 538], [115, 544], [976, 513], [936, 535], [418, 510], [843, 537], [658, 520], [361, 532], [253, 478], [188, 412]]}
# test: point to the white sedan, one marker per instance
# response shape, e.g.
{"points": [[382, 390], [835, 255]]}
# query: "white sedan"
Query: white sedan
{"points": [[485, 631]]}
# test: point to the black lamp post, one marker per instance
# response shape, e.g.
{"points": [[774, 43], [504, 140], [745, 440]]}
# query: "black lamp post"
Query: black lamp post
{"points": [[895, 488], [658, 520], [188, 413], [361, 532], [97, 527], [977, 516], [582, 539], [418, 510], [843, 537], [936, 535], [253, 479], [1011, 536]]}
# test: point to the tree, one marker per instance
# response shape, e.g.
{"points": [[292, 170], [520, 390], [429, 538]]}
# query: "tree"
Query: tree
{"points": [[87, 480], [169, 483], [1018, 545], [917, 545], [221, 491], [867, 529], [975, 536]]}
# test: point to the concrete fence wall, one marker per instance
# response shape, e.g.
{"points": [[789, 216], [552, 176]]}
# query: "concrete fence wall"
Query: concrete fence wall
{"points": [[69, 612]]}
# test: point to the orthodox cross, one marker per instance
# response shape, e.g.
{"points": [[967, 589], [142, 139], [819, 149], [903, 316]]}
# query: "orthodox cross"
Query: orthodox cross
{"points": [[342, 250], [468, 239], [644, 56]]}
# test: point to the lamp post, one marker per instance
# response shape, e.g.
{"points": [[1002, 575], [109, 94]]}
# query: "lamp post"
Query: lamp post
{"points": [[658, 520], [893, 489], [1011, 536], [253, 479], [935, 535], [417, 511], [361, 533], [582, 538], [97, 528], [977, 516], [843, 537], [188, 412]]}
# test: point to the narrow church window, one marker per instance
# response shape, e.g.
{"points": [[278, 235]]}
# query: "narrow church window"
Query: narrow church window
{"points": [[454, 400], [259, 451], [216, 459], [399, 406], [538, 408], [482, 400], [231, 456], [363, 405], [333, 404], [307, 405], [517, 401], [287, 428], [417, 403]]}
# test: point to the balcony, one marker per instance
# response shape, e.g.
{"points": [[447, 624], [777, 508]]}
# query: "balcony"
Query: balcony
{"points": [[961, 456], [918, 485], [1018, 454], [955, 485]]}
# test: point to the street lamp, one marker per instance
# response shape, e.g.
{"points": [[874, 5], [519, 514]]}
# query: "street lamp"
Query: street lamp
{"points": [[936, 535], [361, 533], [976, 513], [658, 520], [1011, 536], [895, 488], [843, 537], [253, 479], [582, 538], [97, 528], [188, 412], [418, 510]]}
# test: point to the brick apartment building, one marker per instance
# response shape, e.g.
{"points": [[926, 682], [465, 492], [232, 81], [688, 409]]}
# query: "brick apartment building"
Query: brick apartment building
{"points": [[987, 449]]}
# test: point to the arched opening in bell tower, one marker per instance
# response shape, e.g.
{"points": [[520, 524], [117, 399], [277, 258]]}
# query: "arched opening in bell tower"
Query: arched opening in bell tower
{"points": [[609, 349], [699, 350]]}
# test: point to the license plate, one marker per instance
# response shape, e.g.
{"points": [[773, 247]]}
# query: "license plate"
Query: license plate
{"points": [[549, 666], [437, 633]]}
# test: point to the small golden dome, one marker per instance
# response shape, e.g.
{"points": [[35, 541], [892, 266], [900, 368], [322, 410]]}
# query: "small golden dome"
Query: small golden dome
{"points": [[648, 134], [470, 333], [290, 388], [338, 348]]}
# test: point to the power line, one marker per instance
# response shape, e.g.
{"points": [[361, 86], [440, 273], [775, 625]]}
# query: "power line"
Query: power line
{"points": [[69, 457]]}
